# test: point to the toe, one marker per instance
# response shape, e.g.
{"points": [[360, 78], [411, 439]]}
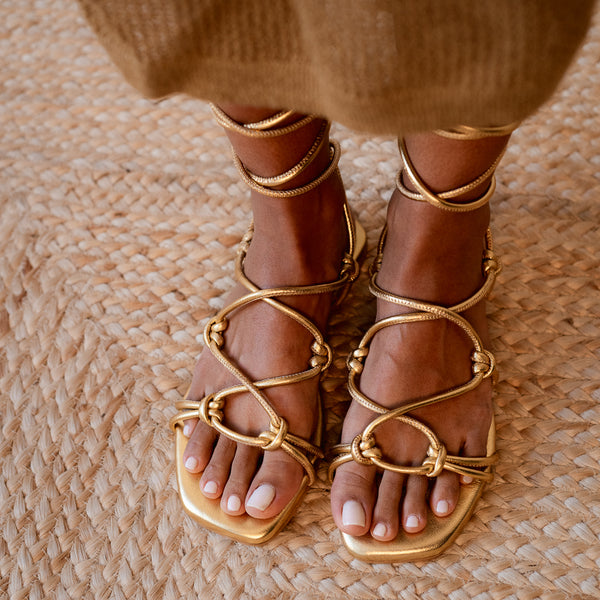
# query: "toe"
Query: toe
{"points": [[188, 427], [242, 470], [414, 507], [353, 498], [214, 477], [444, 495], [275, 484], [386, 516], [198, 450]]}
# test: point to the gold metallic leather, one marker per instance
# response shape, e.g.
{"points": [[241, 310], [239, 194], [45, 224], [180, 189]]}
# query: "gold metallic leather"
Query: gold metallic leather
{"points": [[439, 532], [210, 409]]}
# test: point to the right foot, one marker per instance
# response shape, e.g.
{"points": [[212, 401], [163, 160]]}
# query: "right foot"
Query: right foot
{"points": [[296, 241]]}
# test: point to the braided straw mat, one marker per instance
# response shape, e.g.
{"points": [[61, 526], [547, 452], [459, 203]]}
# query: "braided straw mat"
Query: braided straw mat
{"points": [[119, 225]]}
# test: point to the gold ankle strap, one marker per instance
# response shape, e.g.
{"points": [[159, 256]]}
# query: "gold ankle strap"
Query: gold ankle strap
{"points": [[263, 129], [250, 181], [442, 199], [466, 132]]}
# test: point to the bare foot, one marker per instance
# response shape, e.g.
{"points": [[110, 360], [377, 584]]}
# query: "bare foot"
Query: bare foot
{"points": [[296, 241], [435, 256]]}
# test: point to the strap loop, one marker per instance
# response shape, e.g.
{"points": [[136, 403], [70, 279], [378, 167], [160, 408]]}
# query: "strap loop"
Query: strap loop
{"points": [[363, 449]]}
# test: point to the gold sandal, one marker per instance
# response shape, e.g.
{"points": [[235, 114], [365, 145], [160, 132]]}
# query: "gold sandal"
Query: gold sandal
{"points": [[210, 408], [440, 531]]}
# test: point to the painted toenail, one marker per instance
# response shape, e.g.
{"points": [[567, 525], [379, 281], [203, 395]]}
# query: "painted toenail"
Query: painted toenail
{"points": [[233, 504], [191, 464], [187, 430], [379, 530], [261, 497], [353, 514], [442, 507], [412, 522], [210, 487]]}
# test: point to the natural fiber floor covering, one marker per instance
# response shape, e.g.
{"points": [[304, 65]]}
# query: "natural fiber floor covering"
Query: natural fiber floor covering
{"points": [[119, 224]]}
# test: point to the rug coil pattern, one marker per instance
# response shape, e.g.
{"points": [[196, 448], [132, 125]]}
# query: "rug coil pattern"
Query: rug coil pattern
{"points": [[119, 225]]}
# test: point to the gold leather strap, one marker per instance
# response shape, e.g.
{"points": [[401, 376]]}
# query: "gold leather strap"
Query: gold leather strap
{"points": [[466, 132], [442, 199], [264, 129], [250, 180], [363, 448], [210, 409], [261, 129]]}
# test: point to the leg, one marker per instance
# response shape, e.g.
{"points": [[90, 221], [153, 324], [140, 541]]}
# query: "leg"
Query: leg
{"points": [[296, 241], [432, 255]]}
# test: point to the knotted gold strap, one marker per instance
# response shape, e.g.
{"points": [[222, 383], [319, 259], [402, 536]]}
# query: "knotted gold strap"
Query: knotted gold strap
{"points": [[363, 449], [210, 409]]}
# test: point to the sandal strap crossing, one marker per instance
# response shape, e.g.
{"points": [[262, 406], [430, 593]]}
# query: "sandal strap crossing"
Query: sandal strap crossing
{"points": [[443, 199], [265, 129], [210, 409], [363, 449]]}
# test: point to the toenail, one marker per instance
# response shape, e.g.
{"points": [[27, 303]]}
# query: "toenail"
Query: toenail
{"points": [[187, 430], [261, 497], [379, 530], [442, 507], [466, 479], [233, 504], [210, 487], [412, 522], [353, 514], [191, 464]]}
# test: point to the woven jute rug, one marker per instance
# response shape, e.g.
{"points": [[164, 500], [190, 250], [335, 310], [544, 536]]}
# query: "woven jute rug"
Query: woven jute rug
{"points": [[119, 223]]}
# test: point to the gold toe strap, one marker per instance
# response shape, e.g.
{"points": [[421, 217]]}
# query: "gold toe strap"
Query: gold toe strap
{"points": [[363, 448], [364, 451], [210, 409]]}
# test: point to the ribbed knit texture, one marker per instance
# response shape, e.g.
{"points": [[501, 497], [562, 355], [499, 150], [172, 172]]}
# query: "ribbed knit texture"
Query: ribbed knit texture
{"points": [[379, 65]]}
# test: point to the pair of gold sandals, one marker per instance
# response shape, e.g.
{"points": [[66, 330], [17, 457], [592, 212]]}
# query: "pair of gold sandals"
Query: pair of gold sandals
{"points": [[439, 532]]}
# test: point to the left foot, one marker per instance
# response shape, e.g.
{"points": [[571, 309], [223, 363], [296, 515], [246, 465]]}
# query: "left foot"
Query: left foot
{"points": [[435, 256]]}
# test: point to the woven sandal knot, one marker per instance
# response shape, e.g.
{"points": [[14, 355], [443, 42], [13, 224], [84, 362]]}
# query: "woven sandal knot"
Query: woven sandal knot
{"points": [[350, 268], [209, 409], [276, 435], [436, 459], [363, 450], [483, 362], [376, 264], [216, 331], [491, 263], [355, 359], [322, 355]]}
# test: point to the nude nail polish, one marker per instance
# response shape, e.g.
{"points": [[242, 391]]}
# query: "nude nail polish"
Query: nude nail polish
{"points": [[233, 504], [353, 514], [261, 497]]}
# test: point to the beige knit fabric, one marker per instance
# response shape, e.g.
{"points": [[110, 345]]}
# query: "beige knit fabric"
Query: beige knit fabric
{"points": [[120, 219], [383, 66]]}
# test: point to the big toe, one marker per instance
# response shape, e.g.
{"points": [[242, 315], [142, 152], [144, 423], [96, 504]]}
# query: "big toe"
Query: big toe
{"points": [[353, 498], [276, 483]]}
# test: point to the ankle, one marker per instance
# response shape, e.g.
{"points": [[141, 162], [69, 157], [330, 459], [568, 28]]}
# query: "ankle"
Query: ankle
{"points": [[299, 241], [432, 254]]}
